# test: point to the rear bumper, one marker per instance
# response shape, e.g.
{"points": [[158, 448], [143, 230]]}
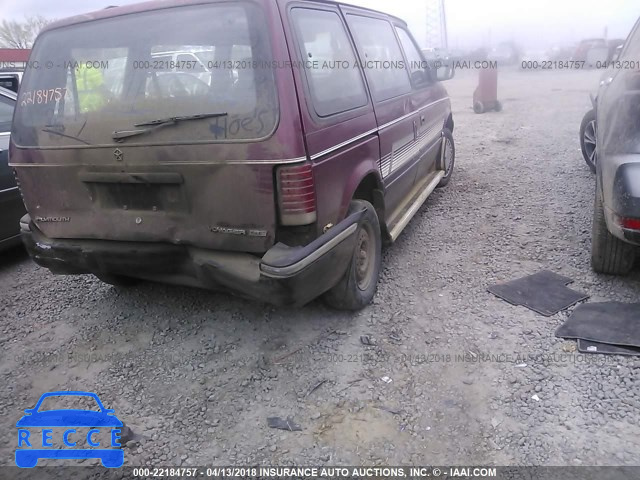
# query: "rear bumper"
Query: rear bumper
{"points": [[283, 276]]}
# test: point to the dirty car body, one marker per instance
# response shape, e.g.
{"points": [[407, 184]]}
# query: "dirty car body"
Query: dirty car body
{"points": [[129, 167]]}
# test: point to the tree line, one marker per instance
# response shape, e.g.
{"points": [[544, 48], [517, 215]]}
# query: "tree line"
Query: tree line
{"points": [[21, 34]]}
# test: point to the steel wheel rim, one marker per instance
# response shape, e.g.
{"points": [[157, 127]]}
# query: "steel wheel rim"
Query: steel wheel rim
{"points": [[447, 154], [589, 139], [364, 257]]}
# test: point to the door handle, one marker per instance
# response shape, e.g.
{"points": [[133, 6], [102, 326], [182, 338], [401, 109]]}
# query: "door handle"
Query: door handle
{"points": [[422, 119]]}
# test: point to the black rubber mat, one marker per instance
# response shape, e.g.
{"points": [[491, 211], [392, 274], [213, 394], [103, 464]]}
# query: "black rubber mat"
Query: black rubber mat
{"points": [[544, 292], [587, 346], [613, 323]]}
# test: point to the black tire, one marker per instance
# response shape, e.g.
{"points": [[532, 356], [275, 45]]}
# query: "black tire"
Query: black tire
{"points": [[120, 281], [358, 285], [498, 106], [609, 254], [447, 163], [588, 129], [478, 107]]}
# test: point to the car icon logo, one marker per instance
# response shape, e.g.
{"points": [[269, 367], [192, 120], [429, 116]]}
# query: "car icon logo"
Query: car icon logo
{"points": [[32, 447]]}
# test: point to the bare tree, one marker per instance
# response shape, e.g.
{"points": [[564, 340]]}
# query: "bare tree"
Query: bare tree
{"points": [[15, 34]]}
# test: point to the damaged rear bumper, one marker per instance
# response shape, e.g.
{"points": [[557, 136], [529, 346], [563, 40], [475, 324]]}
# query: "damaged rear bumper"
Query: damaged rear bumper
{"points": [[283, 276]]}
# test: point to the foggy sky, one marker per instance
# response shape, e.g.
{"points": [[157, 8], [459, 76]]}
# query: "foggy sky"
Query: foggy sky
{"points": [[471, 23]]}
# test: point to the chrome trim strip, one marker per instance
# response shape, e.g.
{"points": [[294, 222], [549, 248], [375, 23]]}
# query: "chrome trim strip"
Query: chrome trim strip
{"points": [[385, 166], [398, 227], [19, 165], [343, 144], [391, 162], [203, 162], [284, 272], [399, 119], [8, 189], [242, 162]]}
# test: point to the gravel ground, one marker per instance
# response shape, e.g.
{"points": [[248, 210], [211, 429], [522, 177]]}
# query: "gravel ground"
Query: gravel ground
{"points": [[195, 374]]}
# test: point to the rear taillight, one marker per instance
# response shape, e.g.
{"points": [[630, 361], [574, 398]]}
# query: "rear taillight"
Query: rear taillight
{"points": [[296, 195], [629, 223]]}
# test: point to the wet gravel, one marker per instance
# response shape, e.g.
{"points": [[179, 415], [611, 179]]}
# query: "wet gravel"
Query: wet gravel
{"points": [[435, 371]]}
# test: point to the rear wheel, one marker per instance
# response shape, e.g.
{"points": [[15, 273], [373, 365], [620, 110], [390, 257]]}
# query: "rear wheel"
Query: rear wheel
{"points": [[116, 280], [478, 107], [358, 285], [609, 254], [447, 157], [588, 132]]}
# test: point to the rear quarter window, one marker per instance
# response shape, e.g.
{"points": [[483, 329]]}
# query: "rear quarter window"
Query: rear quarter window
{"points": [[325, 50], [381, 56]]}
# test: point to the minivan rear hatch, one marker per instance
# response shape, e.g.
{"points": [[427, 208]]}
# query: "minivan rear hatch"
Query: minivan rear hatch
{"points": [[115, 139]]}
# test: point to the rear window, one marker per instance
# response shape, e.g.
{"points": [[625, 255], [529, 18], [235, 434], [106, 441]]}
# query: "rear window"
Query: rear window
{"points": [[90, 80]]}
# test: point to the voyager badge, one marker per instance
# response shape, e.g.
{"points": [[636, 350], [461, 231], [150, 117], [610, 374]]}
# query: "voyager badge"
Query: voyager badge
{"points": [[239, 231]]}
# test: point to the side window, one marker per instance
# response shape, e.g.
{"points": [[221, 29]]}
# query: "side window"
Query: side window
{"points": [[10, 82], [381, 56], [416, 64], [6, 113], [329, 60]]}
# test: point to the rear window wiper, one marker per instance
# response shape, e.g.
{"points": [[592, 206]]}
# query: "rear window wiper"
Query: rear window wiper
{"points": [[120, 135]]}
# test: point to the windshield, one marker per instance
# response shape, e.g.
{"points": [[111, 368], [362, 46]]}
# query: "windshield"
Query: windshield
{"points": [[87, 81]]}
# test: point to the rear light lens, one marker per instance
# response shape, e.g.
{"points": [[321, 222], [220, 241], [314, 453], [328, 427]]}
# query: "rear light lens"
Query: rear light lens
{"points": [[629, 223], [296, 195]]}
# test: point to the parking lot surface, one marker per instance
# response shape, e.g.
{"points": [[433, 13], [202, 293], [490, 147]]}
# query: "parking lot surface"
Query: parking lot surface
{"points": [[436, 371]]}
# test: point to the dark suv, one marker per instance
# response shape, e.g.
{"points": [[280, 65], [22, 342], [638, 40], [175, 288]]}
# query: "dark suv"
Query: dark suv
{"points": [[616, 218], [315, 135]]}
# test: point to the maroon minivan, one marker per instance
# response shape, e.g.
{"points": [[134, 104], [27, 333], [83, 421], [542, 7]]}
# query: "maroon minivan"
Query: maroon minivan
{"points": [[270, 153]]}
